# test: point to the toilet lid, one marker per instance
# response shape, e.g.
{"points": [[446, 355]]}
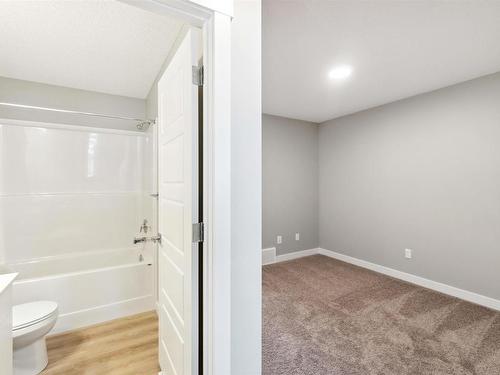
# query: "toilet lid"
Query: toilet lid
{"points": [[30, 313]]}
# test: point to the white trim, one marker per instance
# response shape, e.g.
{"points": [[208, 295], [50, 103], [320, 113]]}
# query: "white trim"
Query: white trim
{"points": [[69, 127], [100, 314], [217, 169], [268, 256], [426, 283], [296, 255], [189, 12], [217, 194], [414, 279]]}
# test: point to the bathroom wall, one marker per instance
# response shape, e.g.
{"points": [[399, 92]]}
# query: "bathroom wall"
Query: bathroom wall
{"points": [[152, 98], [43, 95], [68, 189], [74, 191]]}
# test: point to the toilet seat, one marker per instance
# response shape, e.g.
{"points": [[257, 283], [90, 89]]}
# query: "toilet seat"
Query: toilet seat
{"points": [[29, 314], [31, 323]]}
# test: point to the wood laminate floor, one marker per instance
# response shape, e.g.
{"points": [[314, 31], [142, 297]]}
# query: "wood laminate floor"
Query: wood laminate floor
{"points": [[127, 346]]}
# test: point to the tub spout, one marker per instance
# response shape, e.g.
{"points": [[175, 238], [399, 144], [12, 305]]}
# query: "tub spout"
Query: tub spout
{"points": [[155, 239]]}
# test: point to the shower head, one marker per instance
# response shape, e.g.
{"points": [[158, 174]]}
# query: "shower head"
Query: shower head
{"points": [[144, 125]]}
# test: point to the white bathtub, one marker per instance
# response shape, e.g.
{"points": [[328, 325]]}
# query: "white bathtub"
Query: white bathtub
{"points": [[89, 288]]}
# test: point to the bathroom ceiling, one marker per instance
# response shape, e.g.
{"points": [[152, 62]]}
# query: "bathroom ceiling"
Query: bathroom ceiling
{"points": [[97, 45], [397, 49]]}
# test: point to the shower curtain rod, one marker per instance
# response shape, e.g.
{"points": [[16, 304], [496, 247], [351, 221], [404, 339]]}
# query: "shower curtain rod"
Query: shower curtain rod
{"points": [[142, 122]]}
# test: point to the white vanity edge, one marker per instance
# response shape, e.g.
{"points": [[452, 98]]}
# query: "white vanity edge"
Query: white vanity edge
{"points": [[6, 279]]}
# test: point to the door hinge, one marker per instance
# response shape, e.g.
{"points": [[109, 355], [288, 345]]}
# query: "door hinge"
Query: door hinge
{"points": [[198, 232], [198, 76]]}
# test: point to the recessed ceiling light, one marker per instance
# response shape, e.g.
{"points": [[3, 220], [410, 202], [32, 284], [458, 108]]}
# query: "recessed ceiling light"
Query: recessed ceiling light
{"points": [[340, 72]]}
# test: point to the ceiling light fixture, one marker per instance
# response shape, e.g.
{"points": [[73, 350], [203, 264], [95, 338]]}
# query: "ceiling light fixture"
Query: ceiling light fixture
{"points": [[340, 72]]}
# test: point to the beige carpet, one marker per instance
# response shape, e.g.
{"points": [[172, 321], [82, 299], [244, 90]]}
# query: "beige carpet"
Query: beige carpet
{"points": [[322, 316]]}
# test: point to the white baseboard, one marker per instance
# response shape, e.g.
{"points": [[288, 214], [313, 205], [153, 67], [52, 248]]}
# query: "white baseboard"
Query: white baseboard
{"points": [[296, 254], [426, 283], [268, 256], [417, 280], [100, 314]]}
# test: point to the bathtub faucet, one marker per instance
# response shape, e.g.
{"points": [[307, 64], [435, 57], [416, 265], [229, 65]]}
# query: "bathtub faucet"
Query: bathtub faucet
{"points": [[140, 239], [156, 239]]}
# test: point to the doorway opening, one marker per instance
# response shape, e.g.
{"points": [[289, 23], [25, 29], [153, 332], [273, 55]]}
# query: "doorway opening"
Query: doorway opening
{"points": [[92, 129]]}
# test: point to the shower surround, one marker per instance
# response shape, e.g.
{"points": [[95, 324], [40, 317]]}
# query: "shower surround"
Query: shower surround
{"points": [[71, 200]]}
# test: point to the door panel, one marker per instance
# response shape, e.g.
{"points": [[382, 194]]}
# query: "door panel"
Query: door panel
{"points": [[178, 210]]}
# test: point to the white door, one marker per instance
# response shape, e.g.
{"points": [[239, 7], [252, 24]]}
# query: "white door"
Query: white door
{"points": [[178, 210]]}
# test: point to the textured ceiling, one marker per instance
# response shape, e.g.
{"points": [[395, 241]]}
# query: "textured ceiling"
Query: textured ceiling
{"points": [[95, 45], [397, 48]]}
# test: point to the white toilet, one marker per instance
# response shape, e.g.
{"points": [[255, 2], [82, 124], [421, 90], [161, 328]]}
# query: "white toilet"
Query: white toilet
{"points": [[31, 323]]}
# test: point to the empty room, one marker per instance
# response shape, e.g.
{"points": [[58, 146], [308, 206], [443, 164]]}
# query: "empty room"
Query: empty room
{"points": [[381, 187]]}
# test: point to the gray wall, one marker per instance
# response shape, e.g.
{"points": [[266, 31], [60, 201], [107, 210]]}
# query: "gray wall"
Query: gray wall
{"points": [[246, 189], [422, 173], [152, 98], [43, 95], [290, 183]]}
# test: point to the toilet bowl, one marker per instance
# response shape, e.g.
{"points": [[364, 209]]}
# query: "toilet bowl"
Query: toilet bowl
{"points": [[31, 322]]}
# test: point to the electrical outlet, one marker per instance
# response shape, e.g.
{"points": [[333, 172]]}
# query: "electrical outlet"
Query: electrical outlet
{"points": [[408, 253], [279, 239], [297, 236]]}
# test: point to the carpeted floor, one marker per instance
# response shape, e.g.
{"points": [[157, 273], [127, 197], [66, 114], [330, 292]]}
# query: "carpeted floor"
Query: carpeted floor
{"points": [[322, 316]]}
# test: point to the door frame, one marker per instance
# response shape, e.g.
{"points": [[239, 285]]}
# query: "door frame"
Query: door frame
{"points": [[216, 34]]}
